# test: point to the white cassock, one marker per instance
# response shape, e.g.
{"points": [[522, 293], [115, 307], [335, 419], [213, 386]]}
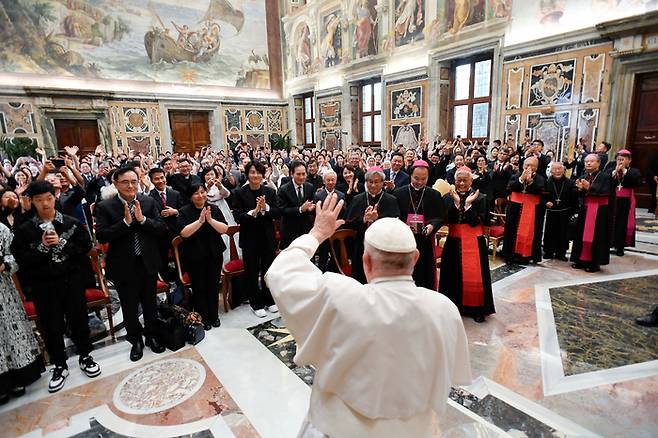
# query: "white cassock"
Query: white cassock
{"points": [[386, 353]]}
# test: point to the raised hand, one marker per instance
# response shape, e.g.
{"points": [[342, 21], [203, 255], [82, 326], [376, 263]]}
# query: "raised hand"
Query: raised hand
{"points": [[455, 197], [138, 211], [371, 214], [71, 150], [126, 214], [472, 197], [326, 218], [202, 216]]}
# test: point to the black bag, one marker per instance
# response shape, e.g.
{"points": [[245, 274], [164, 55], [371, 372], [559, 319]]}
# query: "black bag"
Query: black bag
{"points": [[171, 332]]}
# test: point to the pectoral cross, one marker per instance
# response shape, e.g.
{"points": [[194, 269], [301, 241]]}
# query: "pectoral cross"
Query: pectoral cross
{"points": [[557, 201], [619, 187]]}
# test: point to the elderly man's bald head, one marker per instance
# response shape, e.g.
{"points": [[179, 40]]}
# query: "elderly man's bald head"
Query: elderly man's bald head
{"points": [[531, 163]]}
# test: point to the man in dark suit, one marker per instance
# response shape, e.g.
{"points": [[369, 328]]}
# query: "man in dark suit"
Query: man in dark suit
{"points": [[255, 208], [93, 191], [168, 201], [182, 181], [313, 177], [296, 203], [132, 225], [395, 176], [329, 179]]}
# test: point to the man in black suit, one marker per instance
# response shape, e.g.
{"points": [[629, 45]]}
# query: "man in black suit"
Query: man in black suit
{"points": [[255, 209], [101, 180], [296, 203], [329, 179], [313, 177], [182, 181], [168, 201], [395, 176], [535, 150], [132, 225]]}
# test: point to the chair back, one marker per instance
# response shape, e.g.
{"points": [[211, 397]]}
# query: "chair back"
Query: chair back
{"points": [[233, 250], [339, 238], [94, 259], [500, 204], [176, 245]]}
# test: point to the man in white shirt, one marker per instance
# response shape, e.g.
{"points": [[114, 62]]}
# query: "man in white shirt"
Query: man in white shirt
{"points": [[386, 352]]}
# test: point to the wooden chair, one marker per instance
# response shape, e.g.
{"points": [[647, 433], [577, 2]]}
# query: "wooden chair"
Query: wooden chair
{"points": [[233, 268], [438, 249], [342, 260], [183, 277], [495, 232], [97, 298]]}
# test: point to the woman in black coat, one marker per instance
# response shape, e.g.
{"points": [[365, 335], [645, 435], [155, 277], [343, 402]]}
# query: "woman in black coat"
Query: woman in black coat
{"points": [[202, 226]]}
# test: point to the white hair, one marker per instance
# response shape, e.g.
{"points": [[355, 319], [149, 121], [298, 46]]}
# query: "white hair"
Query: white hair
{"points": [[328, 173], [390, 261]]}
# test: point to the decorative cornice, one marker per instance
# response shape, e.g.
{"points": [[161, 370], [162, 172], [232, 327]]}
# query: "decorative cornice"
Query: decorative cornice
{"points": [[637, 24]]}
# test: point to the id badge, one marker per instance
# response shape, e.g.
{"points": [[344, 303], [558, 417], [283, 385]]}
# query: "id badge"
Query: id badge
{"points": [[416, 222]]}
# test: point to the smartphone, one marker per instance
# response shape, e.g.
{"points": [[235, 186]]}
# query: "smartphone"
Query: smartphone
{"points": [[57, 162]]}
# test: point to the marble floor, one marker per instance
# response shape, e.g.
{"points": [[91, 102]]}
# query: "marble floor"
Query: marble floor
{"points": [[562, 357]]}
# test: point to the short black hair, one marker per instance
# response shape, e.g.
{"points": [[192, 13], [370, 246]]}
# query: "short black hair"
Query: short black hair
{"points": [[397, 154], [260, 167], [497, 142], [155, 170], [39, 188], [121, 170], [194, 187], [295, 164], [536, 140], [164, 161], [183, 160], [206, 171], [607, 145]]}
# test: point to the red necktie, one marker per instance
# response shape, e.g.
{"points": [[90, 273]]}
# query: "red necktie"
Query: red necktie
{"points": [[164, 199]]}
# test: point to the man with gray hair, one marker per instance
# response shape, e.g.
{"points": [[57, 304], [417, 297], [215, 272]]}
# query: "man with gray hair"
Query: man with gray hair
{"points": [[364, 210], [387, 352], [329, 178]]}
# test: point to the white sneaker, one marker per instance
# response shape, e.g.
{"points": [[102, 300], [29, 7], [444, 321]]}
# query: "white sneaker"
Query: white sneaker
{"points": [[273, 308], [89, 366], [57, 379], [261, 313]]}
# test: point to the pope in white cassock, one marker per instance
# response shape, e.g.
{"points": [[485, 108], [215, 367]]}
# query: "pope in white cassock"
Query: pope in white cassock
{"points": [[387, 352]]}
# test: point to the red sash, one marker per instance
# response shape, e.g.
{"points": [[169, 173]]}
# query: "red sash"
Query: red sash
{"points": [[625, 192], [591, 207], [525, 233], [472, 287]]}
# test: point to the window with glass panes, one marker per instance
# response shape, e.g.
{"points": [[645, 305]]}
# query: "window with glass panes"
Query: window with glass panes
{"points": [[309, 120], [471, 98], [371, 113]]}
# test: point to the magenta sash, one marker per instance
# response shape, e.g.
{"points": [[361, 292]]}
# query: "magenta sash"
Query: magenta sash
{"points": [[591, 208], [625, 192]]}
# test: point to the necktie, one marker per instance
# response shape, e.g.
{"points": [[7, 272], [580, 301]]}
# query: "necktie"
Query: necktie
{"points": [[137, 244], [300, 195], [164, 199], [393, 176]]}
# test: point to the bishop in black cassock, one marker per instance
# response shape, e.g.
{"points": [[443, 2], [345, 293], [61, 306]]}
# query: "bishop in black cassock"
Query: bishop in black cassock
{"points": [[591, 246], [524, 215], [465, 275], [366, 208], [625, 179], [560, 200], [421, 208]]}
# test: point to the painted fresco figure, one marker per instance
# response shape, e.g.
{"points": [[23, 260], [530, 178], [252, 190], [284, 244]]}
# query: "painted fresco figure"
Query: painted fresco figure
{"points": [[364, 29], [408, 17], [303, 55], [625, 179]]}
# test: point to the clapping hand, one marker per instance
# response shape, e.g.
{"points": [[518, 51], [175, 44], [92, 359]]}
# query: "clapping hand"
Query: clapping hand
{"points": [[371, 214], [455, 197], [307, 206], [138, 212], [168, 211], [472, 197], [203, 216]]}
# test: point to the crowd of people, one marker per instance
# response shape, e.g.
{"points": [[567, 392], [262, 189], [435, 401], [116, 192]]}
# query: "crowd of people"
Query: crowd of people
{"points": [[133, 205]]}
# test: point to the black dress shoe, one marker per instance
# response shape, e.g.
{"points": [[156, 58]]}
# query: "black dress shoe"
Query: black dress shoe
{"points": [[548, 256], [478, 318], [207, 326], [137, 351], [647, 321], [620, 252], [577, 266], [19, 391], [592, 269], [562, 258], [216, 323], [4, 398], [154, 345]]}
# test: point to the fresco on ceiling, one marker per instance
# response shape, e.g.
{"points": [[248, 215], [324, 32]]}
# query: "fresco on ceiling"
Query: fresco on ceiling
{"points": [[205, 42], [331, 45], [365, 25], [409, 21]]}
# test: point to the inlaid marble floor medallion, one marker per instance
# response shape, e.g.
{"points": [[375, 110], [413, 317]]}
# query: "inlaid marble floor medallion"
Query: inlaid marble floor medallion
{"points": [[158, 386]]}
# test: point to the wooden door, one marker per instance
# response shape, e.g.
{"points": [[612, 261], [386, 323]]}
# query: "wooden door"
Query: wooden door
{"points": [[190, 130], [643, 131], [81, 133]]}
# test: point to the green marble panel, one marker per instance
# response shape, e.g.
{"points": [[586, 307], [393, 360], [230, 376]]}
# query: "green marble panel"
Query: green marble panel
{"points": [[596, 323]]}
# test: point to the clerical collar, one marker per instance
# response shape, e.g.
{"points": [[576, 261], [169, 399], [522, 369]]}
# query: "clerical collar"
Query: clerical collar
{"points": [[391, 278], [416, 189]]}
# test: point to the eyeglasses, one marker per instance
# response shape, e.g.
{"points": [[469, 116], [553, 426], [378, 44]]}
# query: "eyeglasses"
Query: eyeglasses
{"points": [[132, 182]]}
